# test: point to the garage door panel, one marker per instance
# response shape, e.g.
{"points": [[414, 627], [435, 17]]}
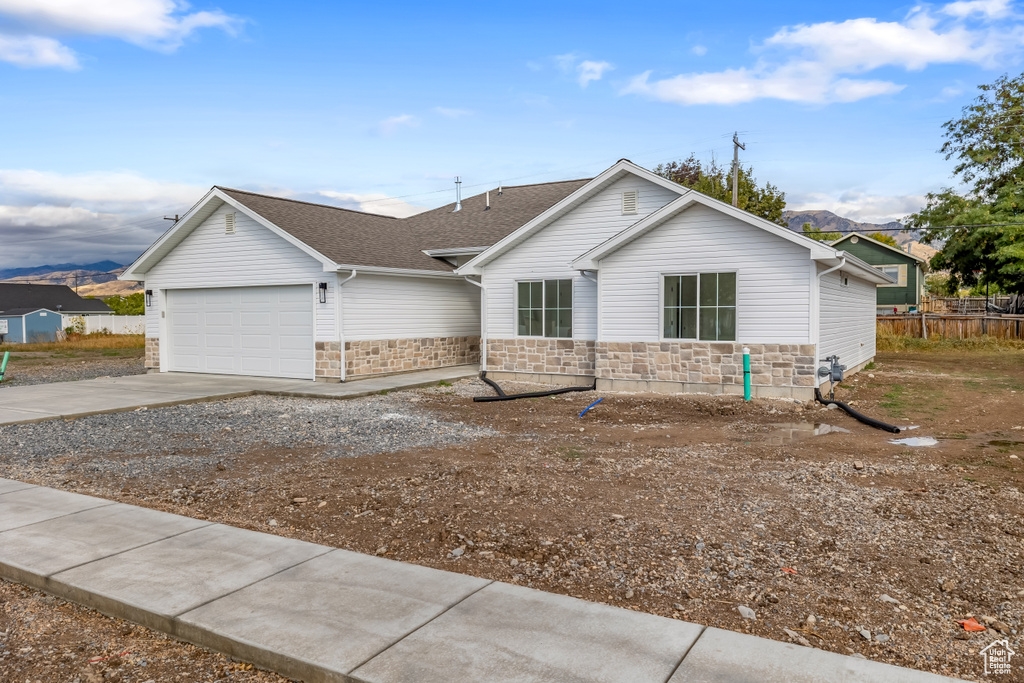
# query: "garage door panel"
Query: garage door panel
{"points": [[264, 331]]}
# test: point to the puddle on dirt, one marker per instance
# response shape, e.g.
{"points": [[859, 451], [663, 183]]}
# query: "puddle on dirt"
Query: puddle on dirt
{"points": [[915, 441], [789, 432]]}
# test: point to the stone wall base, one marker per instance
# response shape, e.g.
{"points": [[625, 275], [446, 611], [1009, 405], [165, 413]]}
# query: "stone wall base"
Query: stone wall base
{"points": [[663, 387], [388, 356], [541, 356], [152, 353], [327, 356]]}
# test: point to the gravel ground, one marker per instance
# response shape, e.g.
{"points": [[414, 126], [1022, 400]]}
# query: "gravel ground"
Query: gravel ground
{"points": [[195, 437], [47, 370], [685, 506]]}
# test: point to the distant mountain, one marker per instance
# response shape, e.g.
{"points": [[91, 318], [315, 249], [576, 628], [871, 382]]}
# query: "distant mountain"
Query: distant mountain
{"points": [[830, 222], [99, 267], [91, 279]]}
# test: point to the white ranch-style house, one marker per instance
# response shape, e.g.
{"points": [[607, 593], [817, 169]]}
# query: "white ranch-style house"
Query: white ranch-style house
{"points": [[626, 279]]}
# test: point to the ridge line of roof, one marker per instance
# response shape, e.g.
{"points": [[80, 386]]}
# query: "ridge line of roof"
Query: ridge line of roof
{"points": [[550, 182], [300, 201]]}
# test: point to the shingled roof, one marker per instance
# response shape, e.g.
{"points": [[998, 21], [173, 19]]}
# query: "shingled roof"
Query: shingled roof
{"points": [[356, 238], [14, 296]]}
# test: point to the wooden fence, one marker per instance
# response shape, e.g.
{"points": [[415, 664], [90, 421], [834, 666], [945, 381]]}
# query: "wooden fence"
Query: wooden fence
{"points": [[965, 305], [954, 326]]}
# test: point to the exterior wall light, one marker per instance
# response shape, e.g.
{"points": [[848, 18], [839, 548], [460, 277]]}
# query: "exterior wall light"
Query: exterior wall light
{"points": [[149, 298], [323, 292]]}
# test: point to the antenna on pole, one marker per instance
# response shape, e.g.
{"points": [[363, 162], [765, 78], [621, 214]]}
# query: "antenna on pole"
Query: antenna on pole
{"points": [[458, 194], [736, 147], [168, 218]]}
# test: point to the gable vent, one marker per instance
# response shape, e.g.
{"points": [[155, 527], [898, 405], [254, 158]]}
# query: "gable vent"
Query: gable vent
{"points": [[630, 199], [229, 223]]}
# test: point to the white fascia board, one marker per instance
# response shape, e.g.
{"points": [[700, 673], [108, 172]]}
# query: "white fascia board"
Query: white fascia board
{"points": [[873, 240], [604, 178], [187, 224], [456, 251], [589, 261], [404, 272], [854, 265]]}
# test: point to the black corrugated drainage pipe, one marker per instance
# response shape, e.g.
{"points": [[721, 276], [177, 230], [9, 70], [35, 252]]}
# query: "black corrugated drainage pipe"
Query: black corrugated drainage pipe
{"points": [[502, 396], [871, 422]]}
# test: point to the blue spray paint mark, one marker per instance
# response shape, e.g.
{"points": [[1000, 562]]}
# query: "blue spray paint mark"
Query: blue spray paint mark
{"points": [[590, 406]]}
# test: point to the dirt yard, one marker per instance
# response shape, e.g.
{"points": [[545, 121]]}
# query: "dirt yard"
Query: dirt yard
{"points": [[688, 507]]}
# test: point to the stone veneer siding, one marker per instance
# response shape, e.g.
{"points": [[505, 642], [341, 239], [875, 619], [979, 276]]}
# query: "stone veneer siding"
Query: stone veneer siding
{"points": [[152, 353], [538, 354], [773, 365], [327, 356], [398, 355]]}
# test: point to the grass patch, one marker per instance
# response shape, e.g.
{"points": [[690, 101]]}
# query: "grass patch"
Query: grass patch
{"points": [[895, 400], [870, 366], [85, 342], [442, 383], [887, 341], [570, 454]]}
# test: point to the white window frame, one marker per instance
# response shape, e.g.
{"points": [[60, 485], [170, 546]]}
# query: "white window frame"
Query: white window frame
{"points": [[543, 298], [661, 306]]}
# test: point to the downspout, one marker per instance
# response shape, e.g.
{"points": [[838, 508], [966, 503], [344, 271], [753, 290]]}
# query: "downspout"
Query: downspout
{"points": [[817, 347], [341, 323], [483, 322]]}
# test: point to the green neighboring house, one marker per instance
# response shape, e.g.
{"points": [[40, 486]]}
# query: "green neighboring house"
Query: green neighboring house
{"points": [[905, 268]]}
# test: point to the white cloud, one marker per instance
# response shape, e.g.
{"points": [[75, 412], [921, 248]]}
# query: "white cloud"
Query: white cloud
{"points": [[819, 63], [34, 51], [50, 217], [392, 124], [860, 206], [453, 113], [588, 71], [566, 63], [699, 50], [991, 9], [370, 202], [155, 24]]}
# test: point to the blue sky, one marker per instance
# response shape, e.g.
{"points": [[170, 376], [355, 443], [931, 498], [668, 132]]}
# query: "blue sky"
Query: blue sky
{"points": [[119, 112]]}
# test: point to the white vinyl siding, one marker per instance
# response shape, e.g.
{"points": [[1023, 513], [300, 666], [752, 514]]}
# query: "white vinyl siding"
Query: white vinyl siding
{"points": [[390, 307], [252, 256], [549, 253], [773, 296], [847, 319]]}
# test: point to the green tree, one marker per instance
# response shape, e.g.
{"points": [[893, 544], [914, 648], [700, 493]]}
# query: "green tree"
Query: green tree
{"points": [[766, 201], [133, 304], [884, 239], [987, 142], [815, 233]]}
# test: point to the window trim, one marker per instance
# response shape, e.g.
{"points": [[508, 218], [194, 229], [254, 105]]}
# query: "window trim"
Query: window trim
{"points": [[661, 306], [543, 309], [902, 273]]}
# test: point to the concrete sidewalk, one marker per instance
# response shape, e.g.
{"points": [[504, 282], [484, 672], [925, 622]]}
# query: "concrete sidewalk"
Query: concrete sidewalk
{"points": [[320, 614], [38, 402]]}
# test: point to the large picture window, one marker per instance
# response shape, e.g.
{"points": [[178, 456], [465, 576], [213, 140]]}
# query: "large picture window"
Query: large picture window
{"points": [[545, 309], [700, 306]]}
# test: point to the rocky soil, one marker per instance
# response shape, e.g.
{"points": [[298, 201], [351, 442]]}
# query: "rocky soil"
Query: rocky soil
{"points": [[47, 367], [753, 517]]}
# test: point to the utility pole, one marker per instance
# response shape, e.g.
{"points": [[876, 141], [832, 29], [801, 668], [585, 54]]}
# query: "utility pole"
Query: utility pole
{"points": [[736, 147]]}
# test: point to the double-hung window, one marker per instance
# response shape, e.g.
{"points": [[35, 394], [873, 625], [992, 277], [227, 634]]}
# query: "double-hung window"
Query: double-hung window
{"points": [[700, 306], [544, 308], [898, 273]]}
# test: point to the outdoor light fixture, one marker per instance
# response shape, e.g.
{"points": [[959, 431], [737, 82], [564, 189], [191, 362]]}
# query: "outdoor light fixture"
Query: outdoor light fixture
{"points": [[149, 297], [323, 292]]}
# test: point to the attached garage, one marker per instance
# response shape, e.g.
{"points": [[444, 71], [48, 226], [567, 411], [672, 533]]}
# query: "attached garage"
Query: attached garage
{"points": [[262, 331]]}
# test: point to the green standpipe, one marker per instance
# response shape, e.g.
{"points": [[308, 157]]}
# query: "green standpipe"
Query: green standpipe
{"points": [[3, 365], [746, 374]]}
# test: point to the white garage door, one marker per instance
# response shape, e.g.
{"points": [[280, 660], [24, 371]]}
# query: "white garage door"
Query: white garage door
{"points": [[263, 331]]}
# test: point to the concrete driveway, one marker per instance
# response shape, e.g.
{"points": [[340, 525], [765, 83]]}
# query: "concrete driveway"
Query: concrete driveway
{"points": [[38, 402]]}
